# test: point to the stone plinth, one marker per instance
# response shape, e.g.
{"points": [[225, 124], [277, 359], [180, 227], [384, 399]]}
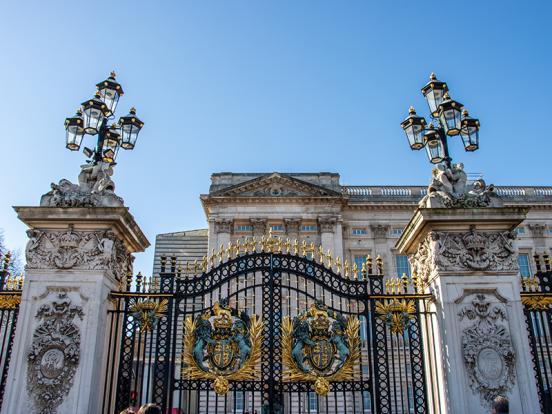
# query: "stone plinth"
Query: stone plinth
{"points": [[75, 257], [466, 258]]}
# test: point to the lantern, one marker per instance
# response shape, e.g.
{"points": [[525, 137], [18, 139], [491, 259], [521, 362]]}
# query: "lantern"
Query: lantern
{"points": [[413, 127], [434, 92], [94, 112], [74, 131], [130, 128], [450, 115], [110, 91], [434, 145], [470, 132]]}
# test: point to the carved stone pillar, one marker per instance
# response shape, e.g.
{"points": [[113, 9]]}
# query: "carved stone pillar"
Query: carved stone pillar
{"points": [[75, 257], [259, 226], [327, 232], [223, 230], [466, 259], [292, 227]]}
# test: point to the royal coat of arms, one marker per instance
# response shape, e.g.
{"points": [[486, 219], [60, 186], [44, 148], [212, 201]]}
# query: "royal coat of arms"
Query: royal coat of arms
{"points": [[320, 346], [222, 345]]}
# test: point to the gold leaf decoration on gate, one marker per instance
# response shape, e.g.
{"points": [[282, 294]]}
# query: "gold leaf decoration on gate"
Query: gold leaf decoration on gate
{"points": [[539, 302], [9, 301], [320, 346], [148, 312], [221, 347], [396, 313]]}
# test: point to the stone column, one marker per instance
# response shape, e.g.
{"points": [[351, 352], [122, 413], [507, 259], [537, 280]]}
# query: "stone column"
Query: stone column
{"points": [[380, 232], [466, 259], [75, 257], [327, 231], [223, 230]]}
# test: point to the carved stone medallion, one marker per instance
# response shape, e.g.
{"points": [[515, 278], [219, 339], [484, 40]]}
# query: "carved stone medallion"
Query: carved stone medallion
{"points": [[88, 250], [487, 347], [55, 353]]}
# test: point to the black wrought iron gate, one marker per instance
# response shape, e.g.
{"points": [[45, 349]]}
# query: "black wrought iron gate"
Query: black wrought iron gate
{"points": [[150, 339]]}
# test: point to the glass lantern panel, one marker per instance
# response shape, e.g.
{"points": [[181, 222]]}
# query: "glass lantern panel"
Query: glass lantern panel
{"points": [[434, 99], [435, 151], [110, 98], [92, 119], [74, 138], [129, 134], [414, 134]]}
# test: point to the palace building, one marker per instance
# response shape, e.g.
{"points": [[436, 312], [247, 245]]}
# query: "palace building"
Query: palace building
{"points": [[352, 221]]}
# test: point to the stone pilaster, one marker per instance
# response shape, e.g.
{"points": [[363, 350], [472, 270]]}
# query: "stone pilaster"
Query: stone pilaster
{"points": [[259, 226], [75, 257], [292, 226], [466, 259], [537, 230], [327, 232], [223, 230]]}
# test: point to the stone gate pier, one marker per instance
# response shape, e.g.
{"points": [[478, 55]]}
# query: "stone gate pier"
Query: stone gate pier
{"points": [[75, 257], [465, 257]]}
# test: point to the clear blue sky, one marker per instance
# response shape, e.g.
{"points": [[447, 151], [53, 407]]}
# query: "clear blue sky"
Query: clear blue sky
{"points": [[251, 86]]}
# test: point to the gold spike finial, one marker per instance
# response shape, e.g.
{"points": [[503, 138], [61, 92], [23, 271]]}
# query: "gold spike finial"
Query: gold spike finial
{"points": [[347, 269]]}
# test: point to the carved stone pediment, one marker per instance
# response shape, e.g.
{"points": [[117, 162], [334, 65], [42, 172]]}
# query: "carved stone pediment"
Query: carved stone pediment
{"points": [[275, 185]]}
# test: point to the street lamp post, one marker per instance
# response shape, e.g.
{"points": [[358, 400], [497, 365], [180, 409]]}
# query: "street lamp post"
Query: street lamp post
{"points": [[448, 119], [93, 118]]}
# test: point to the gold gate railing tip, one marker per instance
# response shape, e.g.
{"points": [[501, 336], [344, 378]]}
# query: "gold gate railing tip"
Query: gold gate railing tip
{"points": [[346, 269], [363, 270]]}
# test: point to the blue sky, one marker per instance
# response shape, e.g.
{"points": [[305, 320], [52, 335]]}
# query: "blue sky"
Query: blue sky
{"points": [[251, 86]]}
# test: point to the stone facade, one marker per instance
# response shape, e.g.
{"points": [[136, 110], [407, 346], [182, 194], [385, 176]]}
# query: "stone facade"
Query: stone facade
{"points": [[348, 220]]}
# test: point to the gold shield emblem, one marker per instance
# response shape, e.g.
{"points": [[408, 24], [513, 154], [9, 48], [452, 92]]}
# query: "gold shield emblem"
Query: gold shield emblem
{"points": [[321, 355], [221, 355]]}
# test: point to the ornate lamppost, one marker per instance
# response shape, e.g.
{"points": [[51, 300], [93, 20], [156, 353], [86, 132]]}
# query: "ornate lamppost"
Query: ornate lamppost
{"points": [[449, 118], [93, 118]]}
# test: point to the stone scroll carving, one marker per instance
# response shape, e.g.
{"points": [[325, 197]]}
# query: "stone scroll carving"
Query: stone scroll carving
{"points": [[55, 353], [487, 347], [69, 249], [95, 189], [466, 251], [450, 188]]}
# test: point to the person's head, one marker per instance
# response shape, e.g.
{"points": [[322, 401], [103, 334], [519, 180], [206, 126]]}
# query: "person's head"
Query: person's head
{"points": [[150, 409], [500, 405], [128, 410]]}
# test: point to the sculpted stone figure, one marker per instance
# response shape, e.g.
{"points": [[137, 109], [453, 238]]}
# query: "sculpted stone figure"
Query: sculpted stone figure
{"points": [[449, 187], [95, 189]]}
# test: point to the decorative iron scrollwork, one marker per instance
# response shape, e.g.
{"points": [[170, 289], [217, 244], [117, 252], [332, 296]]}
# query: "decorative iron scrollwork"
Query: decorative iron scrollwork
{"points": [[221, 346], [148, 312], [396, 313], [320, 346], [10, 301]]}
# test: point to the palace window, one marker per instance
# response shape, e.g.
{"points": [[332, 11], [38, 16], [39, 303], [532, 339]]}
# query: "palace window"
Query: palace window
{"points": [[359, 260], [403, 267], [313, 402], [519, 230], [244, 227], [366, 402], [308, 227], [396, 231], [277, 227], [524, 265], [359, 232], [239, 402]]}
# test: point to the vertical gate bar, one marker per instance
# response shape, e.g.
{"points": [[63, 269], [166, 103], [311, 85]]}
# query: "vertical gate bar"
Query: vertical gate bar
{"points": [[124, 377], [14, 315], [381, 363], [534, 353], [417, 355]]}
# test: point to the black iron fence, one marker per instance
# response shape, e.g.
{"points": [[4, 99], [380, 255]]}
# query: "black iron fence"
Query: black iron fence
{"points": [[368, 345], [10, 298]]}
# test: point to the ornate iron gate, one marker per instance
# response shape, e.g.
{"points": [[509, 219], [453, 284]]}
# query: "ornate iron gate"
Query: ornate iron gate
{"points": [[272, 327], [536, 297]]}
